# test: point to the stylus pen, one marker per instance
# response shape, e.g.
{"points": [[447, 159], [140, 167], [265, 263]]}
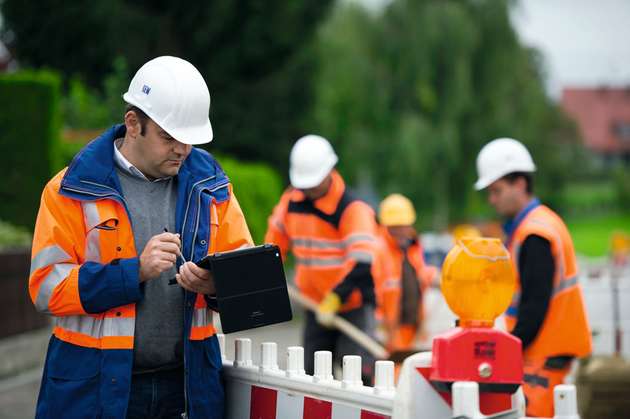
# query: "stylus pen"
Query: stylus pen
{"points": [[173, 281]]}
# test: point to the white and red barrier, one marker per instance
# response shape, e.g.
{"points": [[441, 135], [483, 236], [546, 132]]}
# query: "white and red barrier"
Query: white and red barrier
{"points": [[266, 392]]}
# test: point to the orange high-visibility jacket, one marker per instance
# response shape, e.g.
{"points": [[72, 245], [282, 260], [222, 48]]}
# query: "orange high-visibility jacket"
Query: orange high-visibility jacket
{"points": [[84, 272], [388, 276], [565, 330], [332, 239]]}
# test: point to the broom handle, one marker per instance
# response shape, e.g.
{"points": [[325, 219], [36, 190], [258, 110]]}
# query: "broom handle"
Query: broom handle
{"points": [[343, 325]]}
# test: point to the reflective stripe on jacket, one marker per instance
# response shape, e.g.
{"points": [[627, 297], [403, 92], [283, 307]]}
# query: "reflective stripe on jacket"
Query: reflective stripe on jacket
{"points": [[565, 330], [84, 272], [328, 238]]}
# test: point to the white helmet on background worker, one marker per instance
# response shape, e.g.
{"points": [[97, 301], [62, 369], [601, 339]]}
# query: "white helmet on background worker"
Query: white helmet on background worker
{"points": [[172, 92], [312, 159], [501, 157]]}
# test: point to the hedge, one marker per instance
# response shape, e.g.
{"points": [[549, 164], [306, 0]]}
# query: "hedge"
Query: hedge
{"points": [[29, 130], [258, 188]]}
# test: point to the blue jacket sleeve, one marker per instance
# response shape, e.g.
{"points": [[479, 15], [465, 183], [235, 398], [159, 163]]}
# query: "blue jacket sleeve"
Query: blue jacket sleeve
{"points": [[102, 287]]}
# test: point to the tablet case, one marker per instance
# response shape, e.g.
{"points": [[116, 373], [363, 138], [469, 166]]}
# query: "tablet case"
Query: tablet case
{"points": [[251, 287]]}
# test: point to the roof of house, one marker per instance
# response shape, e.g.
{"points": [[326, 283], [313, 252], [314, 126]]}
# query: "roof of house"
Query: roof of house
{"points": [[602, 115]]}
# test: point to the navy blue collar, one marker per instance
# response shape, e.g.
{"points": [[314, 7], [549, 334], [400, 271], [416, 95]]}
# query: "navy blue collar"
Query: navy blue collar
{"points": [[94, 165], [510, 226]]}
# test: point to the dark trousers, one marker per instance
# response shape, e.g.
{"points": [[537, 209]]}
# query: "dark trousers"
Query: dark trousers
{"points": [[319, 338], [157, 395]]}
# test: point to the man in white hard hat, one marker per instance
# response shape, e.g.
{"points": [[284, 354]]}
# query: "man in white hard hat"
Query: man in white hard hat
{"points": [[115, 240], [547, 311], [332, 236]]}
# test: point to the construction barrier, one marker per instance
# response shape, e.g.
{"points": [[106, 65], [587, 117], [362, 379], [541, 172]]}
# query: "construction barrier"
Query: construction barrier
{"points": [[266, 392]]}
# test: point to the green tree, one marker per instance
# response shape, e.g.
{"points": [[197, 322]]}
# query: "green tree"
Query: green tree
{"points": [[411, 95], [251, 53]]}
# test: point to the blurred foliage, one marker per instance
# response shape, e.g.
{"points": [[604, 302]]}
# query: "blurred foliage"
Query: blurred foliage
{"points": [[29, 128], [257, 188], [622, 187], [86, 107], [252, 53], [411, 96], [13, 237], [592, 233]]}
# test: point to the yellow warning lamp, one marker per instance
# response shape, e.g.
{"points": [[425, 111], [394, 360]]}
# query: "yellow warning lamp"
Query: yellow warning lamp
{"points": [[478, 280]]}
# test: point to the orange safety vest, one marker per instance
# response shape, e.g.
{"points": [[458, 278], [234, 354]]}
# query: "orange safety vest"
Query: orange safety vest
{"points": [[565, 330], [327, 237], [70, 233], [388, 277]]}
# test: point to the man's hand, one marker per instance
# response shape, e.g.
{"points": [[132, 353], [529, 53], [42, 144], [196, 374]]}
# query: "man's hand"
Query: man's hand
{"points": [[195, 279], [159, 255], [327, 309]]}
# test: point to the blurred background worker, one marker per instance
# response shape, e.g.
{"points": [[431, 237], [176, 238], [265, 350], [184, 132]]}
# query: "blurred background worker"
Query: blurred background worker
{"points": [[547, 311], [332, 236], [401, 273]]}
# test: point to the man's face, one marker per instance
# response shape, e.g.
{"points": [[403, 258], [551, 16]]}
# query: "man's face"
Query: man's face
{"points": [[319, 190], [506, 196], [161, 154]]}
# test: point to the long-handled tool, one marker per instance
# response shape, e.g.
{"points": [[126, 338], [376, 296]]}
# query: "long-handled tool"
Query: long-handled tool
{"points": [[350, 330]]}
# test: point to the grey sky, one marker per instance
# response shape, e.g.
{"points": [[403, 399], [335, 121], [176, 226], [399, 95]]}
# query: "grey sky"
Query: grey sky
{"points": [[584, 42]]}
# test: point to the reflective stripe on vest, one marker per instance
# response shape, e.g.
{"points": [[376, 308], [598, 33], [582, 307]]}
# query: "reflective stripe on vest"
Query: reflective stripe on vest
{"points": [[96, 332], [561, 286], [202, 327], [92, 240]]}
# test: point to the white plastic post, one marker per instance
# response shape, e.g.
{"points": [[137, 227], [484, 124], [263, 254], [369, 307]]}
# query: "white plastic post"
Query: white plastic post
{"points": [[384, 377], [243, 352], [565, 402], [221, 338], [323, 367], [518, 401], [466, 400], [269, 356], [351, 371], [295, 361]]}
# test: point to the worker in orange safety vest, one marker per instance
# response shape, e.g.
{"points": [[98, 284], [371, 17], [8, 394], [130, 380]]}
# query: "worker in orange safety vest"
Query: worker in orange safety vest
{"points": [[116, 238], [547, 311], [332, 236], [402, 276]]}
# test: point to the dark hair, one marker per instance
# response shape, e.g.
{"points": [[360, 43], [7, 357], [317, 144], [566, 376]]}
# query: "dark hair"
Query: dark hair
{"points": [[529, 180], [142, 117]]}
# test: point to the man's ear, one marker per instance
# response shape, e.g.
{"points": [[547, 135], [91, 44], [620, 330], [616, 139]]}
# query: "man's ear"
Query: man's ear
{"points": [[132, 123], [522, 184]]}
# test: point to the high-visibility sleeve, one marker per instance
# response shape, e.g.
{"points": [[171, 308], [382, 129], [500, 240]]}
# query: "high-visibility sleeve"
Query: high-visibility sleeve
{"points": [[232, 230], [59, 283], [276, 230], [358, 230]]}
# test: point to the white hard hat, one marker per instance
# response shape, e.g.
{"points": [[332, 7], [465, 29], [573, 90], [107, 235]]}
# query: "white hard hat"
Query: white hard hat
{"points": [[312, 159], [501, 157], [172, 92]]}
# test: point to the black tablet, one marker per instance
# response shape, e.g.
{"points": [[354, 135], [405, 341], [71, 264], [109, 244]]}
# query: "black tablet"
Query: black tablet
{"points": [[251, 287]]}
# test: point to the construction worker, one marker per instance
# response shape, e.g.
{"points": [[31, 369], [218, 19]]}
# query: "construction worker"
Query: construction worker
{"points": [[331, 234], [547, 312], [133, 210], [401, 274]]}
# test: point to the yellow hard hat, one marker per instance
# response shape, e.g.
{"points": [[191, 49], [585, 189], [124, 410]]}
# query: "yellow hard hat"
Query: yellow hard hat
{"points": [[465, 230], [478, 280], [396, 210]]}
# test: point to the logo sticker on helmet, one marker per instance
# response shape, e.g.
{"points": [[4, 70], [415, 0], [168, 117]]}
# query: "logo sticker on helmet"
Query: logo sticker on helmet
{"points": [[146, 89]]}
